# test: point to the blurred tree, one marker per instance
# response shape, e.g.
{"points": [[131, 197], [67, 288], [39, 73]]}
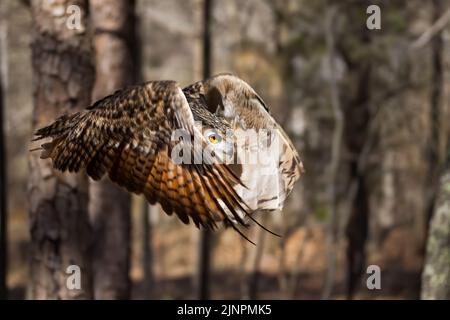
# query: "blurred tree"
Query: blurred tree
{"points": [[436, 274], [433, 143], [3, 184], [59, 223], [109, 206], [254, 277], [357, 117], [330, 20], [147, 210], [204, 244], [147, 254]]}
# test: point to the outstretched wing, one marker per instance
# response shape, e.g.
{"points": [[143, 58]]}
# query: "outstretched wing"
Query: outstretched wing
{"points": [[128, 136], [235, 100]]}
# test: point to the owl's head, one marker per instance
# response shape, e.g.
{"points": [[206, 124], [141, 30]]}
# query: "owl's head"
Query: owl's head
{"points": [[236, 101]]}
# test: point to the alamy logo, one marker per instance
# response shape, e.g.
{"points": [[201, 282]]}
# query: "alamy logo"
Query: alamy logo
{"points": [[373, 22], [73, 281], [73, 21], [374, 280]]}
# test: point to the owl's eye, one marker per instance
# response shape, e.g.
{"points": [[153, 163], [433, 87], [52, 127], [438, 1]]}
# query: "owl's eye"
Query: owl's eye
{"points": [[214, 137]]}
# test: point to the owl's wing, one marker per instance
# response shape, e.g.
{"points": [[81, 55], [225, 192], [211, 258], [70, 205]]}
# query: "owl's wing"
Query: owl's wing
{"points": [[128, 136], [268, 184]]}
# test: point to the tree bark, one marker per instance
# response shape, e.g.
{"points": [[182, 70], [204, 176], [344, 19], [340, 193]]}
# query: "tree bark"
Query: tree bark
{"points": [[436, 274], [109, 206], [59, 223]]}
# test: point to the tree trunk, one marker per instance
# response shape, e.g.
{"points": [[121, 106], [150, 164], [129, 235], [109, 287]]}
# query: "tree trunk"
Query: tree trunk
{"points": [[357, 119], [59, 223], [204, 249], [433, 144], [436, 274], [109, 206], [3, 207]]}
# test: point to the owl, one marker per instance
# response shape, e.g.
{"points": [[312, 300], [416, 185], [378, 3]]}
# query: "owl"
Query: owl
{"points": [[190, 149]]}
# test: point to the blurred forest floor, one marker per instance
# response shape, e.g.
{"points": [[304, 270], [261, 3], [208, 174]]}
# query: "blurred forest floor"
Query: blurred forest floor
{"points": [[173, 244]]}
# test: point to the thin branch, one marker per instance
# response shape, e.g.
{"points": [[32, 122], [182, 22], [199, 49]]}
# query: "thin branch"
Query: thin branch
{"points": [[432, 31], [242, 271], [3, 186], [335, 152], [294, 278], [282, 272], [147, 254], [253, 282]]}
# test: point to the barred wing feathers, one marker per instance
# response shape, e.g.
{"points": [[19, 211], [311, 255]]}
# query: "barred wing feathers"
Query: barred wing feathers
{"points": [[127, 135]]}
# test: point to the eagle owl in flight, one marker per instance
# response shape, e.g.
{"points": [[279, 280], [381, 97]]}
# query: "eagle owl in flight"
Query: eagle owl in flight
{"points": [[129, 136]]}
